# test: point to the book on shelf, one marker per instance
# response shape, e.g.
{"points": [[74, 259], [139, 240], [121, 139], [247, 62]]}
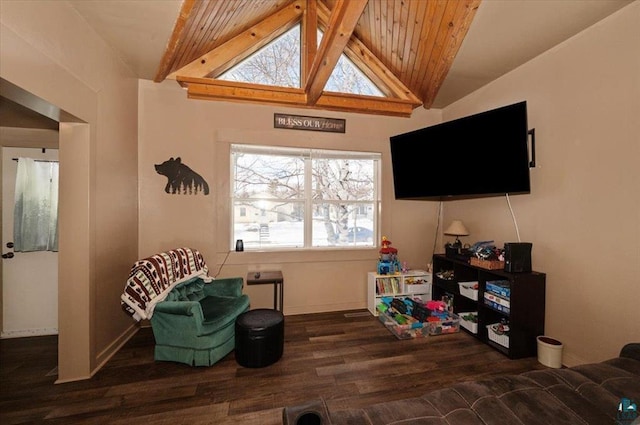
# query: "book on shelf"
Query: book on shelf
{"points": [[497, 303], [497, 299], [388, 285], [499, 287]]}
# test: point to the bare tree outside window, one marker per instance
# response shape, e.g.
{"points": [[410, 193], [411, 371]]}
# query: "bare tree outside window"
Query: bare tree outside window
{"points": [[287, 195], [278, 64]]}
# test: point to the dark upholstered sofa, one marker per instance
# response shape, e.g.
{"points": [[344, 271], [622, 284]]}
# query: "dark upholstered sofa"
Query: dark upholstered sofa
{"points": [[599, 393]]}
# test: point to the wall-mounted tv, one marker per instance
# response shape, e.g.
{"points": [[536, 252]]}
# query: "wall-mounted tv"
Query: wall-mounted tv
{"points": [[485, 154]]}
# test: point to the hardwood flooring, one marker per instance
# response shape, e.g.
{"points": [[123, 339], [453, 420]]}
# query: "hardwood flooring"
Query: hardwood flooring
{"points": [[348, 358]]}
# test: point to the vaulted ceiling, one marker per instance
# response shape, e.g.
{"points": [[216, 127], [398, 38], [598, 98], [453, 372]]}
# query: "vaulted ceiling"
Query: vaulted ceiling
{"points": [[400, 44], [406, 47]]}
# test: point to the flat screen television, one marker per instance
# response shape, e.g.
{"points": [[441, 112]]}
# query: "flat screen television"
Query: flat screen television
{"points": [[481, 155]]}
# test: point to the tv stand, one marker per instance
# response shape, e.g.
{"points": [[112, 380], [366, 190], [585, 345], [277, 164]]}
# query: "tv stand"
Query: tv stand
{"points": [[524, 293]]}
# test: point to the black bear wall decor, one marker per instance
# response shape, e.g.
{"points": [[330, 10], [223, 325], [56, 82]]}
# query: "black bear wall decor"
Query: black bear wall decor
{"points": [[182, 179]]}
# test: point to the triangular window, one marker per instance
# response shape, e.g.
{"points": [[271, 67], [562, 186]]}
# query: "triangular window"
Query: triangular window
{"points": [[347, 78], [278, 64]]}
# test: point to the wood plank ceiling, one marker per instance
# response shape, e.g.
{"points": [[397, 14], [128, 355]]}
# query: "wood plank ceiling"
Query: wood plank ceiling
{"points": [[406, 47]]}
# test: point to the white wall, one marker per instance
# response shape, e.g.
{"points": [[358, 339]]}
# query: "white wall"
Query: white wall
{"points": [[583, 213]]}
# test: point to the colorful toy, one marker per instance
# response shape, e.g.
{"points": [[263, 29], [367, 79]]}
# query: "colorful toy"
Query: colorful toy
{"points": [[436, 305], [388, 262]]}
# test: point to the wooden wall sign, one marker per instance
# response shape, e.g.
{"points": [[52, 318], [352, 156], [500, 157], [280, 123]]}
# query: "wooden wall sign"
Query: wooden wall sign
{"points": [[301, 122]]}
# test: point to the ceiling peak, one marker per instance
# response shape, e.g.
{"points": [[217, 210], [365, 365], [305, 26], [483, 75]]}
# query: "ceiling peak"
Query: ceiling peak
{"points": [[405, 47]]}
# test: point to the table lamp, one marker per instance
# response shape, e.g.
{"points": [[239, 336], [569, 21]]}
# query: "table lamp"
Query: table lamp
{"points": [[457, 229]]}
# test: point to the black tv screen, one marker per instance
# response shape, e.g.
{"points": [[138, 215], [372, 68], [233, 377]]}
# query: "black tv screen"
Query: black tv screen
{"points": [[485, 154]]}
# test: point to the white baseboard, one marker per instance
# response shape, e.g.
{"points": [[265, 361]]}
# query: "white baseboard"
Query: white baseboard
{"points": [[22, 333]]}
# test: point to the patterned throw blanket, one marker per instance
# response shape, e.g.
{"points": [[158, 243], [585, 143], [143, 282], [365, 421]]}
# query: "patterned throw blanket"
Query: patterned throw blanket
{"points": [[151, 279]]}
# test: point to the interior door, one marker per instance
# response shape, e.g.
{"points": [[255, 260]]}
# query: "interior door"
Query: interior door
{"points": [[30, 279]]}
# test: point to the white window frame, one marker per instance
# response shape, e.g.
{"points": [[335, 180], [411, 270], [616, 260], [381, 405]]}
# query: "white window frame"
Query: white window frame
{"points": [[308, 155]]}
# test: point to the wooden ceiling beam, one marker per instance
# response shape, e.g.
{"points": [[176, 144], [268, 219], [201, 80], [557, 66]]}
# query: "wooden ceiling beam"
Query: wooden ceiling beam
{"points": [[342, 22], [455, 34], [345, 102], [244, 44], [209, 89], [309, 42], [174, 42], [371, 66]]}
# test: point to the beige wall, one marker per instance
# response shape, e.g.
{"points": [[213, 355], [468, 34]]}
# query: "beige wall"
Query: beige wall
{"points": [[583, 213], [48, 50], [200, 133]]}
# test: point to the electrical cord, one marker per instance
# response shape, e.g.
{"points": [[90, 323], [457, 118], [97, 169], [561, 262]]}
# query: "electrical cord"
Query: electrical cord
{"points": [[222, 265], [439, 218], [515, 223]]}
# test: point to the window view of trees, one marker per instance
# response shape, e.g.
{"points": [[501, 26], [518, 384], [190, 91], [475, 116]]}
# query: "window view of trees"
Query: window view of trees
{"points": [[278, 64], [297, 197], [304, 198]]}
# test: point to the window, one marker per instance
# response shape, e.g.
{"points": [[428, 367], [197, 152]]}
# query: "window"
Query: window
{"points": [[347, 78], [36, 206], [278, 64], [304, 198]]}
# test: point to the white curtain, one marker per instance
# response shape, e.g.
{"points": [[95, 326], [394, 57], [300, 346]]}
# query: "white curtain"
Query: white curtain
{"points": [[35, 225]]}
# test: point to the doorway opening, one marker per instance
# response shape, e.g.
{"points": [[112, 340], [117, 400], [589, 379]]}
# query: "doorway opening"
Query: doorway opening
{"points": [[29, 122], [29, 279]]}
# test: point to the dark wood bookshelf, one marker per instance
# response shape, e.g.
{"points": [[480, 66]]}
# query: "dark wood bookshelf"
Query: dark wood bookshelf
{"points": [[526, 299]]}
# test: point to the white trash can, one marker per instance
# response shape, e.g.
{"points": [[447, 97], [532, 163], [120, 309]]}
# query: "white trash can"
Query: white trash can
{"points": [[550, 352]]}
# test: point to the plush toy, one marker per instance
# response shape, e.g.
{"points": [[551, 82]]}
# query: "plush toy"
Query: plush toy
{"points": [[436, 305]]}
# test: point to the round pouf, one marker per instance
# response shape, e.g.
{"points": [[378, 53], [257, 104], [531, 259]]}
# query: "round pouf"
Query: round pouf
{"points": [[259, 337]]}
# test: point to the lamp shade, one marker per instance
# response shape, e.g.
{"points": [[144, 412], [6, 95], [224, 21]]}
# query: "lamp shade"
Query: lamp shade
{"points": [[456, 228]]}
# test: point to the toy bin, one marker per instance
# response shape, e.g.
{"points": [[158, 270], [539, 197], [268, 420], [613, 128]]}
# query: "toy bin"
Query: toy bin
{"points": [[467, 323], [501, 339], [446, 326], [402, 331], [417, 282], [416, 288], [469, 290], [487, 264]]}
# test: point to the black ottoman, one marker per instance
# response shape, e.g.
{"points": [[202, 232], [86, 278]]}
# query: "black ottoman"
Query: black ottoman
{"points": [[259, 337]]}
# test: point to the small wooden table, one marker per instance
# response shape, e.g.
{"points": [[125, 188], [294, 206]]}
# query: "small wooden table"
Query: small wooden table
{"points": [[269, 277]]}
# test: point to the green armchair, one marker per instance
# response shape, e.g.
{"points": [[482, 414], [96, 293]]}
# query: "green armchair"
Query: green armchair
{"points": [[192, 315], [195, 324]]}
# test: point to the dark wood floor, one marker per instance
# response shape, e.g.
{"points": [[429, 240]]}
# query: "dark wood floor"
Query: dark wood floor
{"points": [[348, 358]]}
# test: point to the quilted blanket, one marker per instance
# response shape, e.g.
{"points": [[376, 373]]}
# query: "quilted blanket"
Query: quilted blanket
{"points": [[151, 279]]}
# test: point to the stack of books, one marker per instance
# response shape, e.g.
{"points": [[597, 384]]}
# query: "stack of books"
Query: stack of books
{"points": [[497, 295]]}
